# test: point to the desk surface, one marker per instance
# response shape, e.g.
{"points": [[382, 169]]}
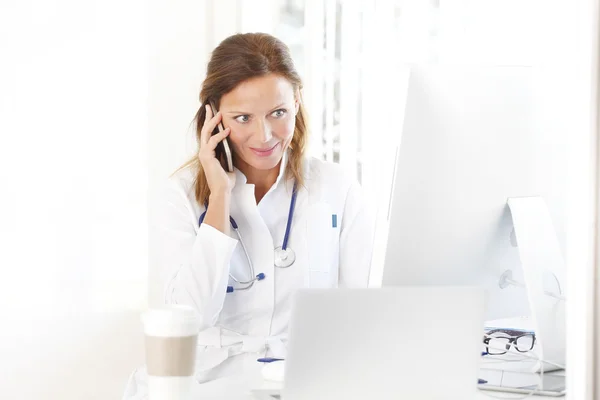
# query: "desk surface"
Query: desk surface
{"points": [[225, 389], [240, 386]]}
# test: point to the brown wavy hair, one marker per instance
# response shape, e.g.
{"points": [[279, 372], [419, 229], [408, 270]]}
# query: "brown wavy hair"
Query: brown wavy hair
{"points": [[236, 59]]}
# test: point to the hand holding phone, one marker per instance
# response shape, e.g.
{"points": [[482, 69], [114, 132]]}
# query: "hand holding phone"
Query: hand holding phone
{"points": [[212, 153], [223, 150]]}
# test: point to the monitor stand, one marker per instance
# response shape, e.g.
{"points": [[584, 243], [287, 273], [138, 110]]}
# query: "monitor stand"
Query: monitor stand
{"points": [[543, 270]]}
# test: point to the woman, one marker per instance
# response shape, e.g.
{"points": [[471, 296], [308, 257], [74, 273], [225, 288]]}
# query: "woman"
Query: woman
{"points": [[252, 81]]}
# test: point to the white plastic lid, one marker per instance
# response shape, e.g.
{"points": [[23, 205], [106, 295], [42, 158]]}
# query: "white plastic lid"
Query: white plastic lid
{"points": [[171, 320]]}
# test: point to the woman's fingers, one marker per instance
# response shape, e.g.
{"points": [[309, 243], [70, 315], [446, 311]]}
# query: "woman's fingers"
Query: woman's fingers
{"points": [[210, 122], [207, 151], [217, 138]]}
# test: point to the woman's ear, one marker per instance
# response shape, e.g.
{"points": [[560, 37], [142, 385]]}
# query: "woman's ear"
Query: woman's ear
{"points": [[296, 106]]}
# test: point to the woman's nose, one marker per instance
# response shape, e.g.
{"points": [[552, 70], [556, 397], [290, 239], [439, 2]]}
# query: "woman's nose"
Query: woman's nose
{"points": [[264, 131]]}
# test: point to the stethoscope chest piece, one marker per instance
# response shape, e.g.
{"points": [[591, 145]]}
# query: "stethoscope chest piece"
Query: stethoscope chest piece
{"points": [[284, 257]]}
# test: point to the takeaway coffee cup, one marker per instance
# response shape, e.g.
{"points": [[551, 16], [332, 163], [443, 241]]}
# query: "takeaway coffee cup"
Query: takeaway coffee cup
{"points": [[171, 334]]}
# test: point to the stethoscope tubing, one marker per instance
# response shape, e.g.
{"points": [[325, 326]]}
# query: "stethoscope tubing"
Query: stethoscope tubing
{"points": [[248, 284]]}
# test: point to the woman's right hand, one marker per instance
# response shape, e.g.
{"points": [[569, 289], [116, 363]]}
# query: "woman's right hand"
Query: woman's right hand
{"points": [[219, 181]]}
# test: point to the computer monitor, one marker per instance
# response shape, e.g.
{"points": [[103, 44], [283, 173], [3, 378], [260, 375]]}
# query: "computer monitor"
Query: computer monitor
{"points": [[472, 137]]}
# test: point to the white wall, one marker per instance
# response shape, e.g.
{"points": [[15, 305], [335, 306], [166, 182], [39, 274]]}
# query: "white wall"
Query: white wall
{"points": [[73, 214], [178, 53], [73, 154]]}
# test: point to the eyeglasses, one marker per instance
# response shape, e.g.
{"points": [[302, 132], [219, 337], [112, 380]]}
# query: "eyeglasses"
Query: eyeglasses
{"points": [[498, 342]]}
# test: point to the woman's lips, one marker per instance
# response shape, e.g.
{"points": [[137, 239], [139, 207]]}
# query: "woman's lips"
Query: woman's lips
{"points": [[264, 152]]}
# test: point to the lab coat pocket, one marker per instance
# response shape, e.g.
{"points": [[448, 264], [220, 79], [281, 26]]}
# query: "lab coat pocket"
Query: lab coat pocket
{"points": [[323, 247]]}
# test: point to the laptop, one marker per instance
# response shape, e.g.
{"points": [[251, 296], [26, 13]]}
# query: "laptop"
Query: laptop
{"points": [[388, 343]]}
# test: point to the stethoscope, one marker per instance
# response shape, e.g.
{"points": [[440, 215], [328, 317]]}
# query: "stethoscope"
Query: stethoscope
{"points": [[284, 255]]}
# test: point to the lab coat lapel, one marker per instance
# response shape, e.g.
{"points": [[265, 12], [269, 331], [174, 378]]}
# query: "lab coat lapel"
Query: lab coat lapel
{"points": [[258, 240]]}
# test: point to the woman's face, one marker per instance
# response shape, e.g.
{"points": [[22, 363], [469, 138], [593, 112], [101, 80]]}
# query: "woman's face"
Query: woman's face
{"points": [[261, 113]]}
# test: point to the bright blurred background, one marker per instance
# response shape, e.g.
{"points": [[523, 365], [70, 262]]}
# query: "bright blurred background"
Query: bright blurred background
{"points": [[96, 104]]}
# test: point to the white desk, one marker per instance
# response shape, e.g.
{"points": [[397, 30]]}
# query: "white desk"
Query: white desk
{"points": [[239, 387], [481, 395], [231, 389], [85, 356]]}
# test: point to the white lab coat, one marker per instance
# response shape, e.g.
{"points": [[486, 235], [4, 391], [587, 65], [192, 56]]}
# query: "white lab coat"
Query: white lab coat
{"points": [[247, 324]]}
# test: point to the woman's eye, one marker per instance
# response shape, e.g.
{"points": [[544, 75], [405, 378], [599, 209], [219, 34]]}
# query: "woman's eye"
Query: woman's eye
{"points": [[279, 113], [242, 118]]}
